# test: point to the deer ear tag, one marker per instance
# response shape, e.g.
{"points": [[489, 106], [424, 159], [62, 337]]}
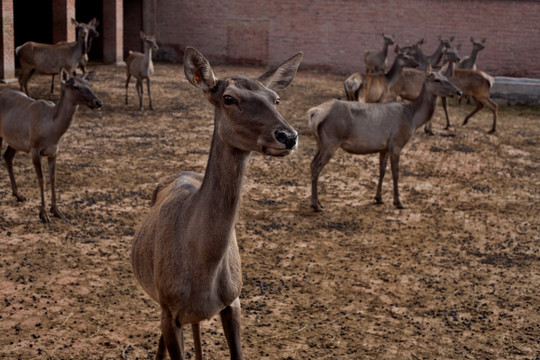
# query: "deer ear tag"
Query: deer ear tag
{"points": [[196, 79]]}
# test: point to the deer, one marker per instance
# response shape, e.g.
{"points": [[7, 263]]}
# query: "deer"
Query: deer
{"points": [[364, 128], [469, 62], [376, 60], [36, 127], [474, 83], [376, 87], [185, 253], [51, 59], [434, 59], [140, 65], [93, 33]]}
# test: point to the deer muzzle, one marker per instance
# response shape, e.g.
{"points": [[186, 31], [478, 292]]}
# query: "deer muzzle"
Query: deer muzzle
{"points": [[287, 139]]}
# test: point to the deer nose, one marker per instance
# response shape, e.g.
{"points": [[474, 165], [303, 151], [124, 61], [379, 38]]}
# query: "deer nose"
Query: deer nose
{"points": [[289, 140], [459, 92], [98, 103]]}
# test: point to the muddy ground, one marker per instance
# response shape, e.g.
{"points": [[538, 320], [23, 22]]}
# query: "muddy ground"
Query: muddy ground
{"points": [[456, 275]]}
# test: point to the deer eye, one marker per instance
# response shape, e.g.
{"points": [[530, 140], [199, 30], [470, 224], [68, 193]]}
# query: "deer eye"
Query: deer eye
{"points": [[229, 100], [277, 101]]}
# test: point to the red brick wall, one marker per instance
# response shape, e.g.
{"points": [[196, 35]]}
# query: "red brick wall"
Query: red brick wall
{"points": [[334, 34]]}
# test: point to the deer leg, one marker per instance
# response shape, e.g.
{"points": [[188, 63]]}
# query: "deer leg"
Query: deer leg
{"points": [[230, 318], [445, 108], [149, 97], [127, 84], [479, 107], [52, 84], [140, 93], [493, 107], [8, 157], [173, 336], [394, 164], [23, 80], [36, 160], [323, 155], [383, 159], [427, 128], [161, 353], [196, 329], [52, 178]]}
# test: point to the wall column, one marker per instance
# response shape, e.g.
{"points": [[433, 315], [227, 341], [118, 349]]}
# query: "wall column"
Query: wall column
{"points": [[63, 11], [113, 32], [7, 42]]}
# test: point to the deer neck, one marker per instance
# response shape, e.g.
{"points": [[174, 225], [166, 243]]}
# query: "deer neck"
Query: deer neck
{"points": [[63, 115], [218, 198], [385, 49], [79, 48], [147, 55], [474, 54], [422, 108], [394, 73], [449, 71], [435, 58]]}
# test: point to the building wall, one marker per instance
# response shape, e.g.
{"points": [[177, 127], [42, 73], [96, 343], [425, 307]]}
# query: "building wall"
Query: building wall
{"points": [[334, 34]]}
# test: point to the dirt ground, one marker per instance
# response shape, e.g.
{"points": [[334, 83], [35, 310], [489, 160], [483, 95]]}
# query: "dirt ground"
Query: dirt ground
{"points": [[456, 275]]}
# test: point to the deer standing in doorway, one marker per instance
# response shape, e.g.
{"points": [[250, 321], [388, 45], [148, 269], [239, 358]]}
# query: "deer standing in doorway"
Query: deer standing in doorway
{"points": [[36, 126], [92, 33], [140, 65], [185, 254], [51, 59], [361, 128]]}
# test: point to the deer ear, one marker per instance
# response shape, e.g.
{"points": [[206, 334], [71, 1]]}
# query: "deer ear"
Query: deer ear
{"points": [[283, 75], [198, 70], [74, 22], [64, 76], [452, 38], [89, 75], [428, 69]]}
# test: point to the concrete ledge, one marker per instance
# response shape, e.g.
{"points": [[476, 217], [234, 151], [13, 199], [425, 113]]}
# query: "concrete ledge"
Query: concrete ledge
{"points": [[516, 91]]}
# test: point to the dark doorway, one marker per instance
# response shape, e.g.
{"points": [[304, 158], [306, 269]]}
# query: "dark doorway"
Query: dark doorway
{"points": [[86, 10], [133, 25], [34, 25]]}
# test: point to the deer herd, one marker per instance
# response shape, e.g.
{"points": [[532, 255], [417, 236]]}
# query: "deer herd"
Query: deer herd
{"points": [[185, 253]]}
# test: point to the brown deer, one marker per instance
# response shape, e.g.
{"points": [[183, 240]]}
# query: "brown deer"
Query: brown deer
{"points": [[372, 88], [376, 60], [469, 62], [360, 128], [36, 126], [185, 253], [51, 59], [434, 59], [140, 65], [474, 83], [92, 33]]}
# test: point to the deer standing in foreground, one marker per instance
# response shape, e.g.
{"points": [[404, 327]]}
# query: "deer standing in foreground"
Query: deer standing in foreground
{"points": [[372, 88], [185, 253], [92, 33], [376, 60], [140, 65], [433, 59], [360, 128], [51, 59], [36, 126]]}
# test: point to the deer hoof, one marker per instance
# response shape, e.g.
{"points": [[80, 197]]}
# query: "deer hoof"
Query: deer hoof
{"points": [[19, 198], [399, 206], [57, 213], [316, 206], [43, 216], [492, 131]]}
